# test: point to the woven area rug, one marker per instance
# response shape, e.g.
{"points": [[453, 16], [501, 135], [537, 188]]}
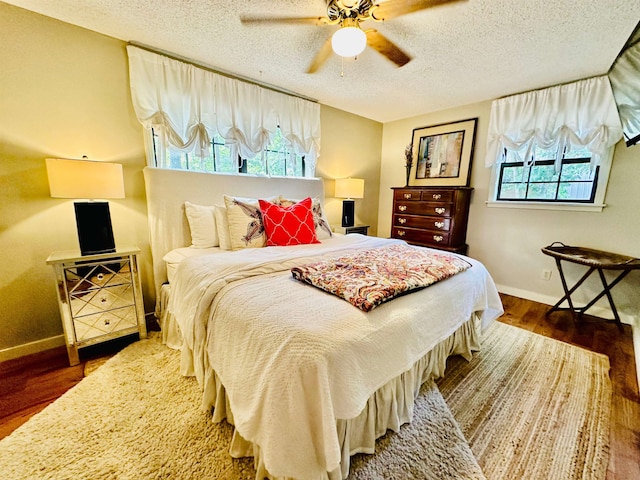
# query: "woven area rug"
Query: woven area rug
{"points": [[136, 417], [532, 407]]}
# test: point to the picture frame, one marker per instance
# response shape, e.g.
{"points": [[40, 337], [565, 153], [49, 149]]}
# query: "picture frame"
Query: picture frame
{"points": [[443, 154]]}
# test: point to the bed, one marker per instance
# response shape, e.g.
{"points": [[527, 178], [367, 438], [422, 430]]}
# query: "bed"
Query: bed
{"points": [[306, 378]]}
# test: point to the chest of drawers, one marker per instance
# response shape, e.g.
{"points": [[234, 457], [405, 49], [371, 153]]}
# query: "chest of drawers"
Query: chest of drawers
{"points": [[99, 297], [432, 216]]}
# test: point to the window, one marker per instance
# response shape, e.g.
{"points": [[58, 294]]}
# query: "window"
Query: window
{"points": [[275, 160], [576, 182]]}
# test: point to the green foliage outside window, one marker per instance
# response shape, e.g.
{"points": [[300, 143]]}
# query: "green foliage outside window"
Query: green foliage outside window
{"points": [[275, 160]]}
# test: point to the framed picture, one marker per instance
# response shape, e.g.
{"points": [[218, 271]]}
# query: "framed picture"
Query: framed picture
{"points": [[442, 154]]}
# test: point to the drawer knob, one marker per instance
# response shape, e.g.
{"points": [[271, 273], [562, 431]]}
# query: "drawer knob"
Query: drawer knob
{"points": [[402, 208], [401, 233], [439, 224], [438, 238], [437, 196], [402, 221], [100, 276], [106, 322], [407, 196], [103, 299], [440, 210]]}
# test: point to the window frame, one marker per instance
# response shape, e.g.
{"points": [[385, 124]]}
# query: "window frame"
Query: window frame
{"points": [[597, 205], [558, 182]]}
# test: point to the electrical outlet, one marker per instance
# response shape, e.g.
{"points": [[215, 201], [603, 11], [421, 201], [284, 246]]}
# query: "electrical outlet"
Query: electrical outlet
{"points": [[546, 274]]}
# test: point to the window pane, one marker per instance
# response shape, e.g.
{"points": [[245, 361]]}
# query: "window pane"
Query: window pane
{"points": [[542, 191], [255, 165], [544, 154], [512, 174], [577, 171], [513, 191], [224, 163], [543, 173], [575, 191], [575, 152]]}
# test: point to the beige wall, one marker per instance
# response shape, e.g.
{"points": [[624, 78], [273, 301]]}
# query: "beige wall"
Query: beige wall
{"points": [[351, 148], [64, 92], [508, 241]]}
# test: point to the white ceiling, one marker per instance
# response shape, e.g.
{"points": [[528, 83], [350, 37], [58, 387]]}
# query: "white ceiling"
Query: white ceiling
{"points": [[463, 52]]}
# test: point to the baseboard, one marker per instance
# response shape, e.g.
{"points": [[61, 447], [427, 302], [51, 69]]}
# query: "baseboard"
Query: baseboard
{"points": [[31, 347], [601, 312]]}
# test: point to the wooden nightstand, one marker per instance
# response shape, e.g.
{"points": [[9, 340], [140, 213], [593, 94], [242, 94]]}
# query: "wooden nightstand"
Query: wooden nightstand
{"points": [[100, 297], [362, 229]]}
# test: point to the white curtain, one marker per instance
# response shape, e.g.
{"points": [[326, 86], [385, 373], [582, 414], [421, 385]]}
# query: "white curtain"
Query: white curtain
{"points": [[189, 105], [625, 82], [580, 114]]}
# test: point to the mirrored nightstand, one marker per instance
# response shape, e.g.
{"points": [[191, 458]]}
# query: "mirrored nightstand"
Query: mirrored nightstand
{"points": [[100, 297]]}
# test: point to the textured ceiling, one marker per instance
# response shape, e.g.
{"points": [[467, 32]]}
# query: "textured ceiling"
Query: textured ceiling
{"points": [[462, 52]]}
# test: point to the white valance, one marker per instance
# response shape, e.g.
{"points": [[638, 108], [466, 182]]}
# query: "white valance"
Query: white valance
{"points": [[625, 82], [189, 105], [580, 114]]}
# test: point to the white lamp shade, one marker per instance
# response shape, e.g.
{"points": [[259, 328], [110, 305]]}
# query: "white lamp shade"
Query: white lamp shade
{"points": [[349, 188], [84, 179], [349, 41]]}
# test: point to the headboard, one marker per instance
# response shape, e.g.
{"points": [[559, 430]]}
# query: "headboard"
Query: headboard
{"points": [[167, 190]]}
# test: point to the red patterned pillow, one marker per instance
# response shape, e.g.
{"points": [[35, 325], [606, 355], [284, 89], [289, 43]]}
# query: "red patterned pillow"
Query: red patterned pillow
{"points": [[291, 225]]}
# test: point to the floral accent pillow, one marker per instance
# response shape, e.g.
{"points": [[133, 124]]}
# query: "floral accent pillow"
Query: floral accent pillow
{"points": [[292, 225], [245, 222], [323, 230]]}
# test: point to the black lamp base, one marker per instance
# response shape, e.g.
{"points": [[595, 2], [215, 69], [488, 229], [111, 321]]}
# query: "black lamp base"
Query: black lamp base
{"points": [[348, 213], [95, 233]]}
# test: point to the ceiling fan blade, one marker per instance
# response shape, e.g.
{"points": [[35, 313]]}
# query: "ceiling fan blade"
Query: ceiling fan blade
{"points": [[395, 8], [325, 52], [286, 20], [386, 47]]}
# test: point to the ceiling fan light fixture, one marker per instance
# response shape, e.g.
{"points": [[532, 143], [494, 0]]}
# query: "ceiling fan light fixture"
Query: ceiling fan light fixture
{"points": [[349, 41]]}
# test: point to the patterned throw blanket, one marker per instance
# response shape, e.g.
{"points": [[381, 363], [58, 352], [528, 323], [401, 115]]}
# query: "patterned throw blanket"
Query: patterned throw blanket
{"points": [[370, 277]]}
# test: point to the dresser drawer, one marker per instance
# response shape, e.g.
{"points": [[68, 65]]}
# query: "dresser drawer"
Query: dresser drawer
{"points": [[407, 195], [422, 208], [423, 222], [100, 324], [421, 237], [95, 301], [444, 196]]}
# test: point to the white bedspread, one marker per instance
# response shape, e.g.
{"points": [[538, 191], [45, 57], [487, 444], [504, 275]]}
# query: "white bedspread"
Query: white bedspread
{"points": [[294, 359]]}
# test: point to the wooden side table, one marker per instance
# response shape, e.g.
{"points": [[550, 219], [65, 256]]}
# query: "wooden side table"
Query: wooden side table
{"points": [[361, 229], [99, 296], [597, 261]]}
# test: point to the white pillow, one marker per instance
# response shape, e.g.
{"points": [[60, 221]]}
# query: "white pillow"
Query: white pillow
{"points": [[202, 224], [220, 214]]}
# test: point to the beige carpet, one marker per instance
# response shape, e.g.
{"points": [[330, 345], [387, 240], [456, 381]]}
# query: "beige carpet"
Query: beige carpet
{"points": [[530, 407], [135, 417]]}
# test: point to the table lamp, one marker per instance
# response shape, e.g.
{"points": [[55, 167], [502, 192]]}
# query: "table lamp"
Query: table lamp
{"points": [[85, 179], [349, 188]]}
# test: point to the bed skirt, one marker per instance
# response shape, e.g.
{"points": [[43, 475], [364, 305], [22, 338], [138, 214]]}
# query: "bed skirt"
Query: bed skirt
{"points": [[390, 407]]}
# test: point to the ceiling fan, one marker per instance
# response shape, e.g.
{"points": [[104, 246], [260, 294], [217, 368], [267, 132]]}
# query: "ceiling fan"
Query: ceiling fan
{"points": [[350, 39]]}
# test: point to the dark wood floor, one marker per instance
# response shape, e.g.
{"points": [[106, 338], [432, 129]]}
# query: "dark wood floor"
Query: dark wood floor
{"points": [[29, 384]]}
